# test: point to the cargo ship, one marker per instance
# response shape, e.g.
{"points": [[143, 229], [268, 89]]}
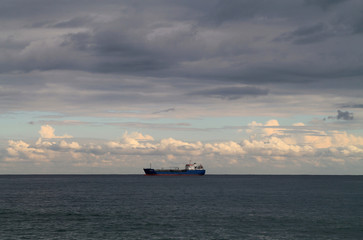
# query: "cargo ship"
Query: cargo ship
{"points": [[191, 169]]}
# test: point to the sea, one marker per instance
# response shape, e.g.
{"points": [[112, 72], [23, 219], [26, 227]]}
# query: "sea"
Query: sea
{"points": [[181, 207]]}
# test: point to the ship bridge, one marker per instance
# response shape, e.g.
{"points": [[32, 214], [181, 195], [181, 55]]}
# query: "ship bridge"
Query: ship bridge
{"points": [[193, 166]]}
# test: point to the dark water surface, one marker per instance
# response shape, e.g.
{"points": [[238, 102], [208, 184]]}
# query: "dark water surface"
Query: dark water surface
{"points": [[208, 207]]}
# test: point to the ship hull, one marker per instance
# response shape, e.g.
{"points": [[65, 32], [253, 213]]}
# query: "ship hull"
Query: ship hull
{"points": [[168, 172]]}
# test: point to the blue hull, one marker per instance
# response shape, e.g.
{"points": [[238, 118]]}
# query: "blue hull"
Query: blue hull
{"points": [[153, 172]]}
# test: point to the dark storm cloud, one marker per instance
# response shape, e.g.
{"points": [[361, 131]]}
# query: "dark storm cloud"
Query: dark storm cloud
{"points": [[345, 115]]}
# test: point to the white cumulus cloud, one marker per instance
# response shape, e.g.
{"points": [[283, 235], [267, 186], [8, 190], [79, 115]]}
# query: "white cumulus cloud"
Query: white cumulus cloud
{"points": [[47, 131], [311, 148]]}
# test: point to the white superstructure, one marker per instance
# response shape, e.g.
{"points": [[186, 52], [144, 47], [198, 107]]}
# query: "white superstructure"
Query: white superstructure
{"points": [[193, 166]]}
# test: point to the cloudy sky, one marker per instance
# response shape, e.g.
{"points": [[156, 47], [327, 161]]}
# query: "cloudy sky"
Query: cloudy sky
{"points": [[243, 87]]}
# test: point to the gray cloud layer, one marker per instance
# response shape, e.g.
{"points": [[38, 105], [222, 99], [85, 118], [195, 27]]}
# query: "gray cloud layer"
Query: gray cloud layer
{"points": [[137, 51]]}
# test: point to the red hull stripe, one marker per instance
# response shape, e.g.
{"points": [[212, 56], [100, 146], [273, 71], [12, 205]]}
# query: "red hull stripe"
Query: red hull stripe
{"points": [[174, 174]]}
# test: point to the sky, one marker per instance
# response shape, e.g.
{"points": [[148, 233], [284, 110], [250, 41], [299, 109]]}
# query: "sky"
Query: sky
{"points": [[240, 86]]}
